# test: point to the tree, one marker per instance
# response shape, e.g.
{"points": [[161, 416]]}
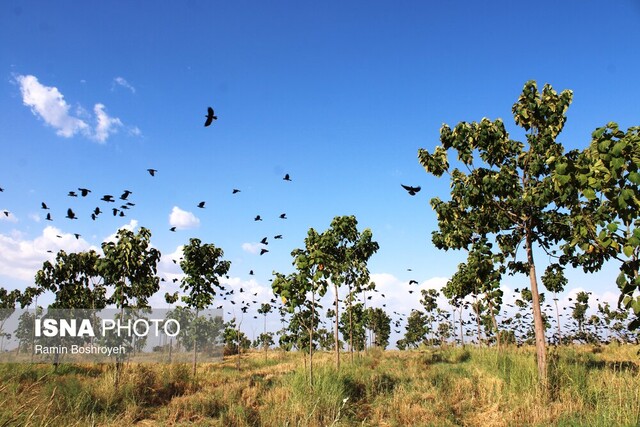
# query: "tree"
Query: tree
{"points": [[129, 266], [379, 322], [352, 326], [349, 251], [74, 280], [265, 309], [416, 330], [602, 191], [309, 280], [580, 310], [508, 193], [203, 267], [430, 303], [8, 301]]}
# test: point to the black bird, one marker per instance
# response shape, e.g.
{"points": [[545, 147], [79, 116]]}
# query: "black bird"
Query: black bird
{"points": [[250, 272], [49, 217], [115, 211], [70, 214], [286, 178], [152, 172], [263, 251], [210, 117], [257, 218], [84, 191], [121, 213], [235, 190], [93, 216], [412, 282], [6, 213], [172, 229], [1, 189], [264, 241], [411, 190], [279, 236], [77, 235], [125, 194], [283, 216], [72, 194], [97, 211], [201, 205], [44, 206], [108, 198]]}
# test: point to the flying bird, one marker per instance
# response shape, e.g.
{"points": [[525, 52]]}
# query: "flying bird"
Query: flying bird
{"points": [[84, 191], [210, 117], [250, 272], [152, 172], [172, 229], [411, 190], [72, 194], [286, 178], [70, 214], [44, 206], [108, 198], [413, 282], [201, 205], [283, 216], [6, 213], [264, 241], [235, 190], [279, 236], [77, 235], [115, 211], [263, 251], [125, 194], [257, 218], [49, 217], [97, 211]]}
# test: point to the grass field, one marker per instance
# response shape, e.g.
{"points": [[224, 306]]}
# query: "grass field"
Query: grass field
{"points": [[440, 387]]}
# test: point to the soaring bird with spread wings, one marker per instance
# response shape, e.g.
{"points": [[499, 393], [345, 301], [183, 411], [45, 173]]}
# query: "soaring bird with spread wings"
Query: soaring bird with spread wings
{"points": [[210, 117], [411, 190]]}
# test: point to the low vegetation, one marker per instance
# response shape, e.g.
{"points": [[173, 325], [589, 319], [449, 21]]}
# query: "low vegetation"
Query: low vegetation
{"points": [[450, 386]]}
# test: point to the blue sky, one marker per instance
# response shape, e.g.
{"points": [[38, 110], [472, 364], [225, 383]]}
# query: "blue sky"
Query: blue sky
{"points": [[340, 95]]}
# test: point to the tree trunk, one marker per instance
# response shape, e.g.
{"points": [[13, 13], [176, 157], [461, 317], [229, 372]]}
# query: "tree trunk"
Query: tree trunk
{"points": [[494, 322], [541, 351], [195, 323], [336, 337], [555, 300], [313, 312]]}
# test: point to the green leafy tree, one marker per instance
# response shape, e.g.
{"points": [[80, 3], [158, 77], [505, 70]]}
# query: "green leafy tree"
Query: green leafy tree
{"points": [[129, 266], [579, 311], [310, 280], [416, 329], [352, 326], [203, 267], [602, 192], [265, 309], [75, 281], [378, 322], [430, 303], [349, 251], [507, 193]]}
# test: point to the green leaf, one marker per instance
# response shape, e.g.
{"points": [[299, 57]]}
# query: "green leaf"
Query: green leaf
{"points": [[628, 250], [589, 193], [612, 227]]}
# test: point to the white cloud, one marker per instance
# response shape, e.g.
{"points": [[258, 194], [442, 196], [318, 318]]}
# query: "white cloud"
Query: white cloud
{"points": [[49, 104], [252, 248], [183, 220], [120, 81], [131, 226], [8, 216], [21, 259], [34, 217], [106, 125], [134, 131]]}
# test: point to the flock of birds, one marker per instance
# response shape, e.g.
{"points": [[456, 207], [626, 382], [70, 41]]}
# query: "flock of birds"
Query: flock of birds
{"points": [[119, 205]]}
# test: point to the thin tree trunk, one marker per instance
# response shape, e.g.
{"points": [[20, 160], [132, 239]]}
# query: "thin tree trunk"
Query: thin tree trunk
{"points": [[336, 337], [541, 350], [555, 300]]}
